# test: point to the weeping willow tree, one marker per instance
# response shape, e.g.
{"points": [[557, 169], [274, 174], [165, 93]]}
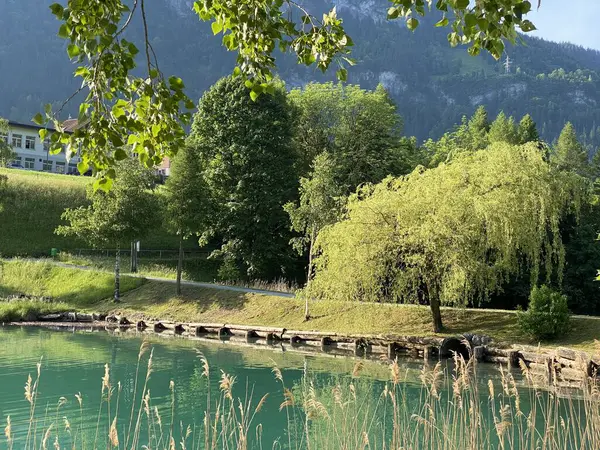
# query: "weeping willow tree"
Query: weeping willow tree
{"points": [[450, 235]]}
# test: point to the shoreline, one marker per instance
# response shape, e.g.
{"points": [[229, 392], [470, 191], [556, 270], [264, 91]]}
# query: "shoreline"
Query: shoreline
{"points": [[561, 366]]}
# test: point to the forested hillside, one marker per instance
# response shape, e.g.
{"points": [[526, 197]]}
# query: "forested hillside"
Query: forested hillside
{"points": [[432, 84]]}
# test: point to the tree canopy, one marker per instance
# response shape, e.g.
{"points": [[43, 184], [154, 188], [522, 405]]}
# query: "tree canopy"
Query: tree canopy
{"points": [[249, 168], [449, 235], [151, 110]]}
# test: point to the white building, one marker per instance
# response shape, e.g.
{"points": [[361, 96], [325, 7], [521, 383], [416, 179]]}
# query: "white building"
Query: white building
{"points": [[33, 154]]}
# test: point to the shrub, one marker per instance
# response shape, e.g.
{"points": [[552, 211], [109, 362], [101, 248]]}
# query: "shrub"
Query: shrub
{"points": [[547, 316]]}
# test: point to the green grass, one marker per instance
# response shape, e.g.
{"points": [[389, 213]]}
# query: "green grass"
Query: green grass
{"points": [[33, 206], [69, 289], [156, 299], [88, 290]]}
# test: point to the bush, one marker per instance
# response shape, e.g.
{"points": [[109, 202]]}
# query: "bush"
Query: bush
{"points": [[548, 314]]}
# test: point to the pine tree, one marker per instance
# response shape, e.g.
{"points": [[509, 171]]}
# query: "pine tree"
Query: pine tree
{"points": [[503, 129], [479, 127], [527, 130], [568, 153]]}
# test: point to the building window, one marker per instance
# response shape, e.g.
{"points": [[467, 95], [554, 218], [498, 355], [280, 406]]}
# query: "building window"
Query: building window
{"points": [[4, 137], [30, 163], [17, 140], [60, 167], [46, 145], [73, 169], [18, 162], [30, 142], [47, 165]]}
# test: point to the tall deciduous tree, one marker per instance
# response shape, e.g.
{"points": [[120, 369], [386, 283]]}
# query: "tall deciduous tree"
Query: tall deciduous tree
{"points": [[115, 218], [449, 235], [569, 153], [150, 109], [250, 172], [7, 154], [186, 198], [360, 129], [320, 205]]}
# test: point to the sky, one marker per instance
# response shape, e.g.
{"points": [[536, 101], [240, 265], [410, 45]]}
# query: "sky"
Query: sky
{"points": [[573, 21]]}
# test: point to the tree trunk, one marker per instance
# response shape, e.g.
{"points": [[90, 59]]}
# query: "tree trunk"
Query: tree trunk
{"points": [[309, 276], [118, 275], [434, 304], [180, 264]]}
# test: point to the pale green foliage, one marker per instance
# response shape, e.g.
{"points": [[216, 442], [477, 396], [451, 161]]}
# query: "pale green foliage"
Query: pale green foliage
{"points": [[453, 233], [359, 128], [150, 109], [7, 154], [124, 214], [504, 129], [320, 203], [569, 153]]}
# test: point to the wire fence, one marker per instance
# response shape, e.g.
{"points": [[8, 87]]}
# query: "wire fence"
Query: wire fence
{"points": [[142, 254]]}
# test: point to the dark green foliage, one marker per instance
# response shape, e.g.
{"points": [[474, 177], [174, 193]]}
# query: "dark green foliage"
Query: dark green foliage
{"points": [[527, 131], [548, 314], [245, 146]]}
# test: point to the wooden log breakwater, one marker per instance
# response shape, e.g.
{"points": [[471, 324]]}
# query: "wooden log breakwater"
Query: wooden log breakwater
{"points": [[560, 365]]}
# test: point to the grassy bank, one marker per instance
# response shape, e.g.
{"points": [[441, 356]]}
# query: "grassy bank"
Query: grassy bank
{"points": [[34, 204], [64, 289], [155, 299], [91, 291]]}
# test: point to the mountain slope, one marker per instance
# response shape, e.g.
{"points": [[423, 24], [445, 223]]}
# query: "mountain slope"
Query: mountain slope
{"points": [[433, 84]]}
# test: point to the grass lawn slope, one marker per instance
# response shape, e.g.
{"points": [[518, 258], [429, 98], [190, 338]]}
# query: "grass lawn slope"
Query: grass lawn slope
{"points": [[33, 206], [68, 289]]}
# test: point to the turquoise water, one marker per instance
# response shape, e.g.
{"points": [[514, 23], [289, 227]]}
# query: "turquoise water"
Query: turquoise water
{"points": [[74, 363]]}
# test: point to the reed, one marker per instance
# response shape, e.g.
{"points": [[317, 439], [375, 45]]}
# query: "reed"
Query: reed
{"points": [[453, 410]]}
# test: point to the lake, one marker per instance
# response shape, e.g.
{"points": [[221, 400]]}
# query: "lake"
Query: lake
{"points": [[328, 402]]}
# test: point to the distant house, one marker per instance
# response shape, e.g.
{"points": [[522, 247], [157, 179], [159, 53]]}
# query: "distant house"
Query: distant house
{"points": [[164, 169], [33, 154]]}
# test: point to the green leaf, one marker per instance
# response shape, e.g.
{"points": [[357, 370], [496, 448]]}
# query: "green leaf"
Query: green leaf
{"points": [[442, 23], [38, 119], [63, 31], [57, 9], [393, 13], [82, 167], [342, 74], [73, 50], [120, 154], [462, 4], [254, 95], [412, 23], [216, 27], [43, 133], [527, 26]]}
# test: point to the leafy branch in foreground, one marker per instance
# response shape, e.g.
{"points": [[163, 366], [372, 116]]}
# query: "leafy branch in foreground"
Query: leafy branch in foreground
{"points": [[148, 112]]}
